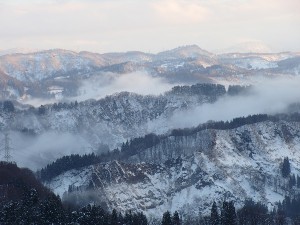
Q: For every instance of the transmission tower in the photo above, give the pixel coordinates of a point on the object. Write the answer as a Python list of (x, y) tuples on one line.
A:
[(7, 149)]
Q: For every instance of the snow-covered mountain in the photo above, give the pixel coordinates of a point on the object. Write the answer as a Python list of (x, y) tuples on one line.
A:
[(258, 61), (59, 74), (189, 51), (188, 172), (43, 65)]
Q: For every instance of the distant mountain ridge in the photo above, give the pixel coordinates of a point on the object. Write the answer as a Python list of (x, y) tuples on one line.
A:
[(58, 74)]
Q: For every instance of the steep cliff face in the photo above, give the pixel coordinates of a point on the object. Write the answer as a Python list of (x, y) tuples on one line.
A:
[(188, 173)]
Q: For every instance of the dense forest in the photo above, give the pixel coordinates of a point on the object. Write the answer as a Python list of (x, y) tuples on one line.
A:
[(24, 200), (66, 163)]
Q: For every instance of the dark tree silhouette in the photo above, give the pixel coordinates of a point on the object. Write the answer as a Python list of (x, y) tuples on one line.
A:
[(166, 220), (176, 219), (286, 168), (214, 215)]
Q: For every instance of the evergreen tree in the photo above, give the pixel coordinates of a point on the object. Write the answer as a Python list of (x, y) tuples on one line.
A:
[(228, 214), (286, 169), (292, 181), (139, 219), (42, 110), (11, 213), (253, 213), (128, 220), (51, 210), (214, 215), (166, 220), (232, 214), (224, 213), (176, 219), (29, 206), (114, 218)]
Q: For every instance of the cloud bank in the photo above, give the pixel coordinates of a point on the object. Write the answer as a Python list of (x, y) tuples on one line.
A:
[(110, 83), (267, 97), (37, 151)]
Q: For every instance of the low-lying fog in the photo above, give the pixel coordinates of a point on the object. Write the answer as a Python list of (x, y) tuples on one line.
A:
[(268, 96)]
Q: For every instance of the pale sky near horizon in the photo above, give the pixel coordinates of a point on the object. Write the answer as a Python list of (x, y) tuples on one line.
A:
[(148, 25)]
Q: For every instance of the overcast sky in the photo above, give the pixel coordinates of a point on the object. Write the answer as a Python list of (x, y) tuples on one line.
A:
[(148, 25)]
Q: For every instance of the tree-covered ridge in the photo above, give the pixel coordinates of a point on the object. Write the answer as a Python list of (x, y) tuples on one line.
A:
[(214, 90), (15, 182), (136, 145), (24, 200), (201, 89), (66, 163)]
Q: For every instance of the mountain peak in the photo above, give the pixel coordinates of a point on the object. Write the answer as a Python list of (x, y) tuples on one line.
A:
[(187, 51)]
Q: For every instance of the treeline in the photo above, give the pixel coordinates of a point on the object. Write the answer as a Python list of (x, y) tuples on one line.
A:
[(138, 144), (212, 90), (74, 161), (237, 122), (221, 125), (135, 145), (238, 90), (42, 109)]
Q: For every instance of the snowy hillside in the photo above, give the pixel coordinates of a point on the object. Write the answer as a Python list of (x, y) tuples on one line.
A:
[(252, 63), (187, 173), (109, 121)]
